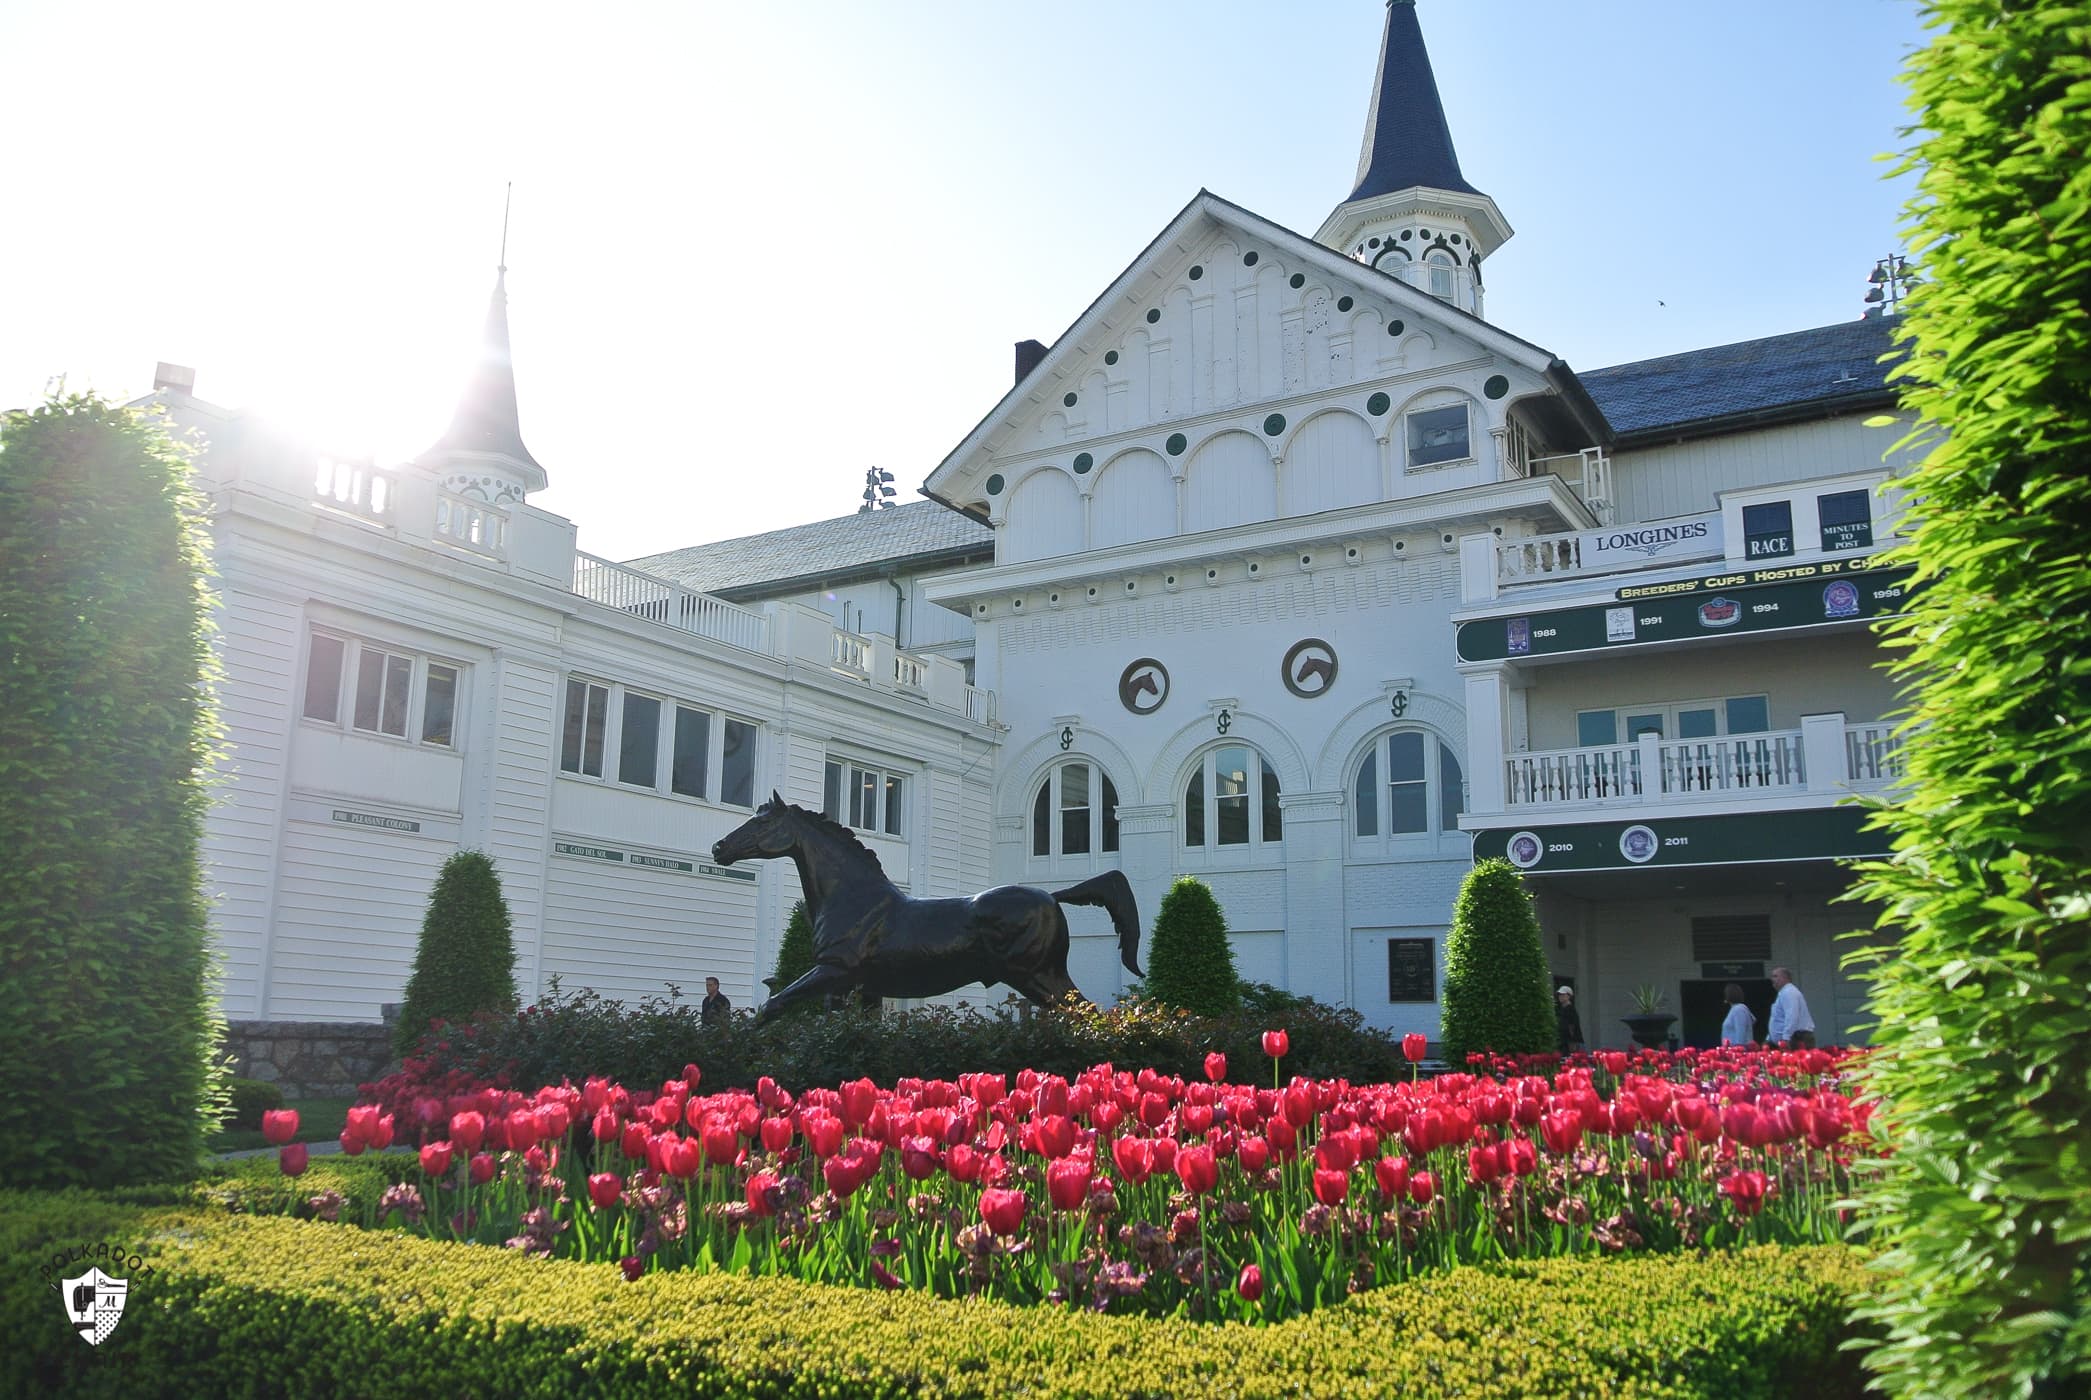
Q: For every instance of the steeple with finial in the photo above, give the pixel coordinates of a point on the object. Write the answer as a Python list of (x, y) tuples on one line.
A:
[(1413, 214), (482, 453)]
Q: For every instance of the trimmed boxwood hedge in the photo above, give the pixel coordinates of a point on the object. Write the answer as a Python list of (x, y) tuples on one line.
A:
[(237, 1305)]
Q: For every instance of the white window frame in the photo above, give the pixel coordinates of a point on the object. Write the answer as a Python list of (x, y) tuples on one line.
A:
[(1435, 404), (843, 773), (1383, 839), (421, 666), (1204, 772), (1103, 820), (662, 784)]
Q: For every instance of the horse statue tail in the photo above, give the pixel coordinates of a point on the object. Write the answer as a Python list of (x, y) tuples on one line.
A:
[(1112, 892)]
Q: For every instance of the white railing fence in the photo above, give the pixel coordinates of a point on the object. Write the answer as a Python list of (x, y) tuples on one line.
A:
[(1651, 769), (852, 653), (356, 487), (1873, 752), (1588, 472), (471, 524), (659, 600)]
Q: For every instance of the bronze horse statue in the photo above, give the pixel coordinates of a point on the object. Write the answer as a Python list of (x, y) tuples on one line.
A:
[(868, 935)]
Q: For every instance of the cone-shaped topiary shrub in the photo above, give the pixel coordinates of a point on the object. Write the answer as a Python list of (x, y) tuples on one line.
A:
[(109, 1034), (1496, 979), (1981, 1026), (465, 962), (1189, 962), (795, 953)]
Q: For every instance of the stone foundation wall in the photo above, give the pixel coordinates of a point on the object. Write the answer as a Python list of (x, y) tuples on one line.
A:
[(310, 1059)]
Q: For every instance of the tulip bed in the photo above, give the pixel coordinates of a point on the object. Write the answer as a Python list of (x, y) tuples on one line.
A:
[(1131, 1192)]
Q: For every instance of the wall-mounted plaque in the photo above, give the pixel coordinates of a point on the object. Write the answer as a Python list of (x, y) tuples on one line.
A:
[(1143, 686), (1412, 969), (1309, 669)]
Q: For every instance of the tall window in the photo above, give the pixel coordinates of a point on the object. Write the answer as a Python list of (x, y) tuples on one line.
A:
[(380, 689), (1408, 784), (867, 798), (1075, 812), (1437, 266), (658, 745), (1231, 799)]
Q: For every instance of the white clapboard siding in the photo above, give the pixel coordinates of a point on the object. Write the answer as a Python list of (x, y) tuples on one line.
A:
[(348, 916), (520, 796), (625, 931), (257, 644)]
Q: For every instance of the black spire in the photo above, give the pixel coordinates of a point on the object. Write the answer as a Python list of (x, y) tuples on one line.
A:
[(486, 415), (1407, 142)]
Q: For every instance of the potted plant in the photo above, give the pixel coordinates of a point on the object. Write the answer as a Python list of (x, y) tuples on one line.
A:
[(1650, 1023)]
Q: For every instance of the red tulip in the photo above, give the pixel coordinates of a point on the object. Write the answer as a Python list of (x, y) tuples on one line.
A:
[(1215, 1066), (604, 1188), (633, 1267), (1003, 1210), (292, 1157), (721, 1143), (1054, 1135), (692, 1076), (1254, 1154), (858, 1098), (1422, 1186), (885, 1277), (480, 1169), (1746, 1189), (964, 1162), (918, 1157), (435, 1158), (381, 1136), (351, 1145), (279, 1125), (1392, 1174), (776, 1134), (1197, 1169), (1275, 1045), (823, 1131), (1134, 1158), (635, 1139), (1067, 1184), (1414, 1046), (468, 1130), (604, 1126), (762, 1193), (1330, 1187), (681, 1157), (1250, 1284)]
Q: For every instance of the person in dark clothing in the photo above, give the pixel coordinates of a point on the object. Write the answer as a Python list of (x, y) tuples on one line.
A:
[(1568, 1027), (715, 1009)]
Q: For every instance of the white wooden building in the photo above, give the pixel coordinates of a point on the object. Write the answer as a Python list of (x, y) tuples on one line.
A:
[(1281, 566)]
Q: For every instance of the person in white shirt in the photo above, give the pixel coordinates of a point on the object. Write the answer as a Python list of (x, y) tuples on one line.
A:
[(1740, 1028), (1790, 1019)]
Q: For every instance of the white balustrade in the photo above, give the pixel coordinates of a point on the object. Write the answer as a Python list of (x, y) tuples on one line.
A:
[(909, 672), (471, 524), (852, 653), (1520, 561), (980, 705), (355, 487), (1588, 472), (1873, 754), (660, 600), (1653, 769)]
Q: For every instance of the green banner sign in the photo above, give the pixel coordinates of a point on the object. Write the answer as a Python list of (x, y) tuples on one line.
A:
[(1758, 600), (1817, 833), (381, 823)]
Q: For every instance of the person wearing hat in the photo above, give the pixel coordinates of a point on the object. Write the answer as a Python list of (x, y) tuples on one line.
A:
[(1568, 1027)]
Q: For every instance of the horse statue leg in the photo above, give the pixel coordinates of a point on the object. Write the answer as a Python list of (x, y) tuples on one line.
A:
[(823, 982)]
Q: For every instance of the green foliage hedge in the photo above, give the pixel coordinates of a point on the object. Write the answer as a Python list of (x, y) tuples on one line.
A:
[(1980, 999), (465, 961), (247, 1100), (1190, 963), (1497, 988), (574, 1036), (794, 952), (240, 1306), (108, 1044)]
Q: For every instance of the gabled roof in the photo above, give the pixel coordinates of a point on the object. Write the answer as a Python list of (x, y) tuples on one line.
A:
[(1407, 140), (918, 535), (1207, 212), (1800, 374)]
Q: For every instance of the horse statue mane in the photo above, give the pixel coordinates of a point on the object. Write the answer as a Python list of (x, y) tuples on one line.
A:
[(821, 822)]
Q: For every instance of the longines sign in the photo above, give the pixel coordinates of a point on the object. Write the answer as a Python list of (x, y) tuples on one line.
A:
[(1638, 545)]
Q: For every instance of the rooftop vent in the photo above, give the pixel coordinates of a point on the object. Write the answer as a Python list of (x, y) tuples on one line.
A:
[(178, 378), (1028, 354)]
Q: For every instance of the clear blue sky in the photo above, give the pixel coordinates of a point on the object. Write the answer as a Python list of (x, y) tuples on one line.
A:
[(757, 248)]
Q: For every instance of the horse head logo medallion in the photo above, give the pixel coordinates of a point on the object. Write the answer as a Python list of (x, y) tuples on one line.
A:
[(1143, 686), (1309, 669)]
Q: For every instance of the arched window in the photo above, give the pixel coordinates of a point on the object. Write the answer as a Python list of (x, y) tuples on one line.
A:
[(1075, 811), (1438, 265), (1408, 785), (1231, 799)]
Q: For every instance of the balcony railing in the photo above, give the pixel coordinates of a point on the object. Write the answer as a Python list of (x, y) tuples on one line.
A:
[(358, 488), (1588, 473), (659, 600), (980, 705), (853, 653), (471, 525), (1771, 763), (909, 672)]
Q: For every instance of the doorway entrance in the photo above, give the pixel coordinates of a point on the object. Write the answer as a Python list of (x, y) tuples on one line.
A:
[(1702, 1009)]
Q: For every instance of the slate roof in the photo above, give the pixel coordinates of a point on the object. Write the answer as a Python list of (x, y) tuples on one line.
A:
[(1799, 373), (1407, 141), (826, 549)]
